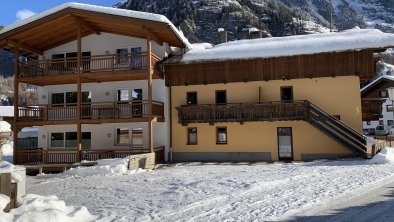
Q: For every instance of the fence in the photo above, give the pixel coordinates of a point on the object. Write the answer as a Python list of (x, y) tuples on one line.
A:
[(9, 189)]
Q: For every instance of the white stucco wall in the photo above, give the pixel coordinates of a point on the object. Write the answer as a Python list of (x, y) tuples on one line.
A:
[(106, 92), (107, 43), (103, 135)]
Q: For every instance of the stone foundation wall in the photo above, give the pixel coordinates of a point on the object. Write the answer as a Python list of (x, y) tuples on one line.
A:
[(143, 161)]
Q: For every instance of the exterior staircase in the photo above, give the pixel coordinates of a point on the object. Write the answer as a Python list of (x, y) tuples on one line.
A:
[(337, 130), (276, 111)]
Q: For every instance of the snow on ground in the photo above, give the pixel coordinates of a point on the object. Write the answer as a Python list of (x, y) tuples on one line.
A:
[(212, 191), (39, 208)]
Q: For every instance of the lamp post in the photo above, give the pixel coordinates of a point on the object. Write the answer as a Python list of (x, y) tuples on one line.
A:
[(390, 91)]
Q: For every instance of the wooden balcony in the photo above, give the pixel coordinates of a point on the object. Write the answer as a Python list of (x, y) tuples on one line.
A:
[(372, 108), (243, 112), (97, 68), (42, 157), (91, 113)]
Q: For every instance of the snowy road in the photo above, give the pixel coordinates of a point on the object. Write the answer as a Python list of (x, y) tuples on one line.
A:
[(217, 192), (374, 204)]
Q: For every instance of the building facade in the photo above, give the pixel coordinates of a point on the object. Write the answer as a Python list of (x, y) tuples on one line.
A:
[(377, 106), (99, 93), (270, 99)]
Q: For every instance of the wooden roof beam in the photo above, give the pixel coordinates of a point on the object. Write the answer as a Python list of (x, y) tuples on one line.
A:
[(85, 24), (24, 47), (153, 36)]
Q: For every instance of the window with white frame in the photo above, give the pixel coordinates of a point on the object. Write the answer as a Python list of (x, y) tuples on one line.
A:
[(127, 94), (69, 140)]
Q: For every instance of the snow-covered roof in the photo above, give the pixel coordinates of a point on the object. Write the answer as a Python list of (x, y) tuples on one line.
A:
[(354, 39), (381, 78), (6, 111), (100, 9)]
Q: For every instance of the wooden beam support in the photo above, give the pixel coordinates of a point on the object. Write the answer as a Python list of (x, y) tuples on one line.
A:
[(149, 77), (16, 104), (85, 24), (79, 93), (153, 36), (24, 46)]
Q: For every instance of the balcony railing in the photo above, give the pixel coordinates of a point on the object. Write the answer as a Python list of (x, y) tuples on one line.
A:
[(243, 112), (99, 110), (90, 64), (40, 156)]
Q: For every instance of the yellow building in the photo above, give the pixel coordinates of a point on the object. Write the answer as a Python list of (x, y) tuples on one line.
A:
[(289, 98)]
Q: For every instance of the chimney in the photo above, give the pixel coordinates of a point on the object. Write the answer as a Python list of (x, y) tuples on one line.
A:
[(223, 35), (254, 33)]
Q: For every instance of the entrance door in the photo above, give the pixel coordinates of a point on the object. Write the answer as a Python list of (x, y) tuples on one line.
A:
[(285, 143), (286, 93)]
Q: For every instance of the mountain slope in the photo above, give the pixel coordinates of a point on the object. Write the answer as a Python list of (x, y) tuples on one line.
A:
[(200, 19)]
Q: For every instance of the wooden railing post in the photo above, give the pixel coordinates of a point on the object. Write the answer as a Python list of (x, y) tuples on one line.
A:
[(5, 188)]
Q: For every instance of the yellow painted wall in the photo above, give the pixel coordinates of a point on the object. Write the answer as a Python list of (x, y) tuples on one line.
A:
[(338, 96)]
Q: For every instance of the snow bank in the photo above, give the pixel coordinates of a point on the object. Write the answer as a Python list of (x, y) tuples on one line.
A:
[(384, 156), (204, 45), (6, 167), (354, 39), (37, 208), (7, 149), (5, 127), (105, 167)]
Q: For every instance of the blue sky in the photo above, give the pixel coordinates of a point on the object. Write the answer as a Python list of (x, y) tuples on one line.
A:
[(14, 10)]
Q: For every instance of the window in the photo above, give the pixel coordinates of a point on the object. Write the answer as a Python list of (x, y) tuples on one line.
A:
[(136, 59), (122, 136), (122, 56), (221, 97), (57, 140), (133, 137), (69, 139), (126, 94), (137, 137), (381, 122), (136, 94), (192, 136), (57, 98), (383, 94), (191, 98), (389, 108), (221, 135), (286, 93), (70, 97), (390, 122), (71, 60)]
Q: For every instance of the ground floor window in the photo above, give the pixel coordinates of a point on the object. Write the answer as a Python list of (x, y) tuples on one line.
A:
[(69, 140), (221, 135), (127, 136), (192, 136)]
